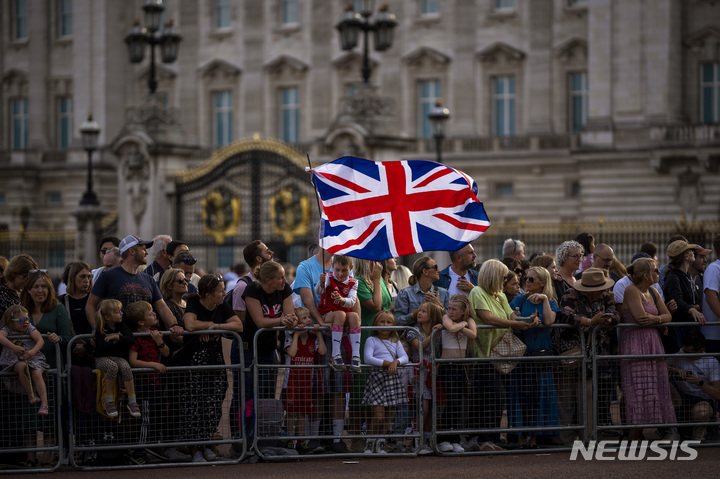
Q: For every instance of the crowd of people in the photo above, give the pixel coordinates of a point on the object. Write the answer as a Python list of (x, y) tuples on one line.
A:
[(364, 343)]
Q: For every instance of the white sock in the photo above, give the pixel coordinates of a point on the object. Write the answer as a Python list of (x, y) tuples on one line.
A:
[(355, 343), (336, 340), (314, 428), (338, 426)]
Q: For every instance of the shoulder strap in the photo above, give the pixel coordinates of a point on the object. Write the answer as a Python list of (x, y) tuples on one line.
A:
[(652, 293)]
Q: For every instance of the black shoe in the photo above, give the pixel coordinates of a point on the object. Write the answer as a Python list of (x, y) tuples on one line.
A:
[(340, 448), (303, 449), (315, 446), (138, 457)]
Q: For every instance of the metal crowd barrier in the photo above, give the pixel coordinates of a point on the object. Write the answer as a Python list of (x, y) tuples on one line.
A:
[(183, 408), (637, 385), (280, 411), (23, 433), (484, 409)]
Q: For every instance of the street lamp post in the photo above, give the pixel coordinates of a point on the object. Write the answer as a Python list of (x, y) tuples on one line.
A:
[(138, 37), (90, 131), (351, 23), (438, 116)]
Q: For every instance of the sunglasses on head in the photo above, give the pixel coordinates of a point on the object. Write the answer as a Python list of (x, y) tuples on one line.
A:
[(38, 271), (21, 320)]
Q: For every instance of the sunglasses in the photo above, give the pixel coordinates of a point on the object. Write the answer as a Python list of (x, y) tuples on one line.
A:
[(530, 279), (104, 250), (35, 271), (518, 271), (189, 261), (181, 281), (22, 320), (435, 266)]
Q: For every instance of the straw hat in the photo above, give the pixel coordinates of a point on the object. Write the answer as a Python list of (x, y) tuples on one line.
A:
[(593, 279)]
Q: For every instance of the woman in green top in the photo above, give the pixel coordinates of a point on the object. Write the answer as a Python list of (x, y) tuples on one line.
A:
[(489, 306)]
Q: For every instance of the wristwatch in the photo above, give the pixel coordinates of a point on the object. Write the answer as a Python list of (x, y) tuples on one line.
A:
[(701, 383)]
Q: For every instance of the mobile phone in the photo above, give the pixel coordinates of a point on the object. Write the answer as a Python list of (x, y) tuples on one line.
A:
[(524, 319), (606, 315)]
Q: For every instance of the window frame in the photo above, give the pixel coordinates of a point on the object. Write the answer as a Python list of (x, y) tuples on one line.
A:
[(583, 94), (291, 112), (19, 29), (425, 104), (222, 112), (714, 86), (509, 100), (283, 20), (222, 14), (64, 119), (19, 119), (64, 12)]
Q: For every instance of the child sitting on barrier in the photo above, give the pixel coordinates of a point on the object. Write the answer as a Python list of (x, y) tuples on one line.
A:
[(305, 385), (384, 390), (23, 355), (455, 377), (429, 318), (338, 296), (113, 340), (145, 353)]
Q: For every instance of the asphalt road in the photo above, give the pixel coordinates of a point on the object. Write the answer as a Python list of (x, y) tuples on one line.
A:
[(556, 465)]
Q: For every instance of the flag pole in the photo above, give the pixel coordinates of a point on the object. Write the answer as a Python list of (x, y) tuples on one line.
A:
[(317, 200)]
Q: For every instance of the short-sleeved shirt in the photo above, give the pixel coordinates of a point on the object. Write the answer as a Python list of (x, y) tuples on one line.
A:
[(127, 288), (147, 351), (272, 307), (238, 302), (219, 315), (711, 281), (307, 274), (498, 307), (706, 369)]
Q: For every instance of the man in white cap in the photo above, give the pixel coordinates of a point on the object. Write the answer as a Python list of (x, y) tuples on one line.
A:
[(128, 286)]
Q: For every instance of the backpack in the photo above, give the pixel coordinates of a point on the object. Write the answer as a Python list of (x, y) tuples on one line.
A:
[(229, 295)]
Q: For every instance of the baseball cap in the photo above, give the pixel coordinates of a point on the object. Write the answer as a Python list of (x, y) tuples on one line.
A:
[(132, 240)]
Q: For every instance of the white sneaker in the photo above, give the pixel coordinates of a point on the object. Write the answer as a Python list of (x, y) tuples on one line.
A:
[(457, 448), (445, 447), (369, 447), (425, 449), (380, 447), (208, 454), (198, 457), (173, 454)]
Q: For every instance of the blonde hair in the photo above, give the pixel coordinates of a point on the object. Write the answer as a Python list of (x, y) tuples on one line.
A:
[(394, 336), (267, 270), (464, 301), (12, 312), (300, 310), (491, 276), (640, 268), (401, 276), (544, 275), (106, 308), (361, 270), (167, 280)]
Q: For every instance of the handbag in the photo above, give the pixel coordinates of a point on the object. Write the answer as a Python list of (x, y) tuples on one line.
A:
[(506, 346), (571, 364)]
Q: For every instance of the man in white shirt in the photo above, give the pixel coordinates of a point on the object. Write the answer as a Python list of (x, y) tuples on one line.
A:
[(711, 302)]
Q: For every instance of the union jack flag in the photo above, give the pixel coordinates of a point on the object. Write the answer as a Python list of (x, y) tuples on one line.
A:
[(378, 210)]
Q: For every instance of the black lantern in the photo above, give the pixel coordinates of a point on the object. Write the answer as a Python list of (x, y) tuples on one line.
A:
[(138, 37), (90, 131), (438, 116), (351, 23)]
